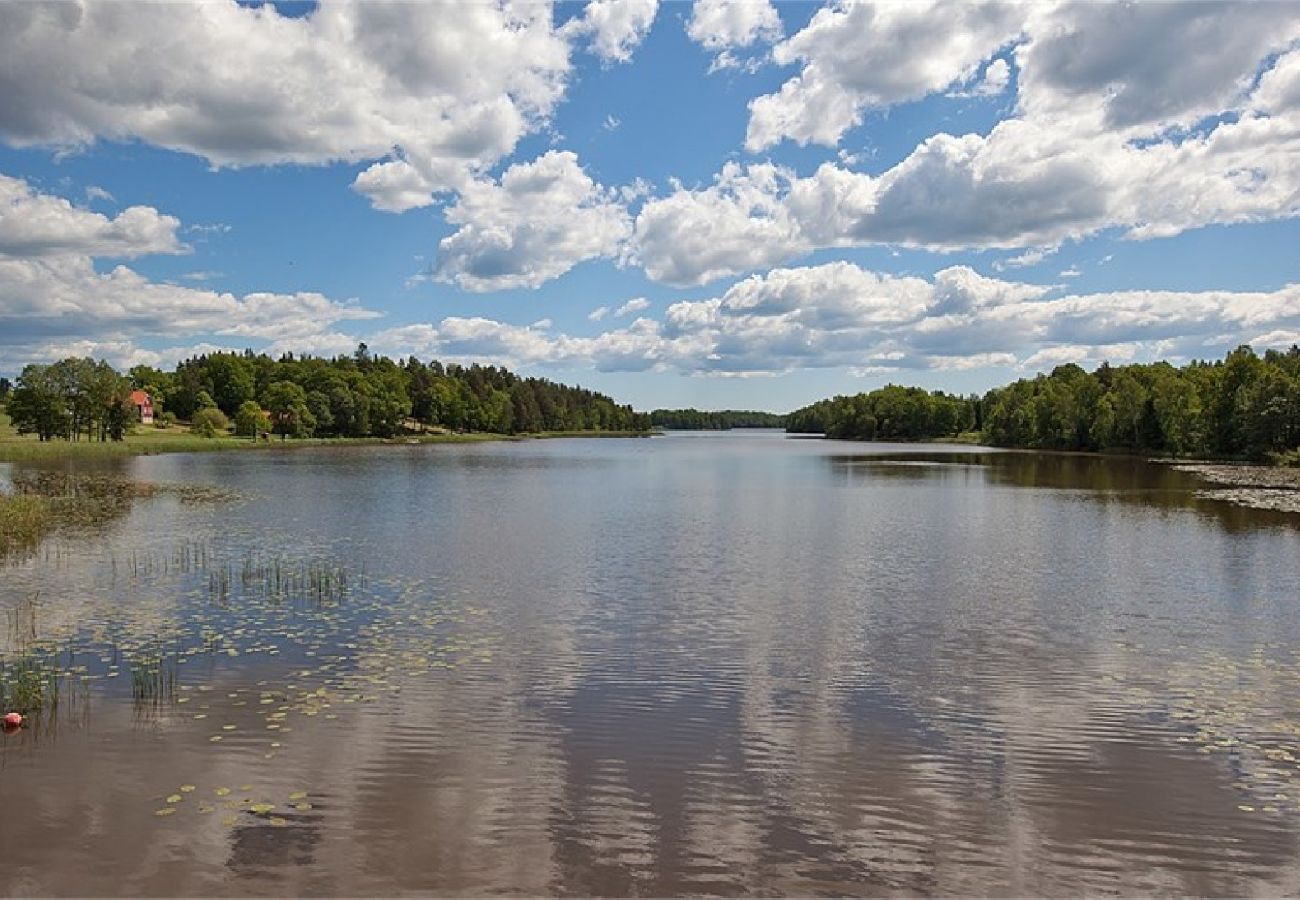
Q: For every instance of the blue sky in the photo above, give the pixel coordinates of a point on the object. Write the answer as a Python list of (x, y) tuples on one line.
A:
[(771, 203)]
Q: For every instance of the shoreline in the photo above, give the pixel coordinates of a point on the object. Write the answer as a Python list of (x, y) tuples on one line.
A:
[(1275, 488), (31, 451), (1251, 485)]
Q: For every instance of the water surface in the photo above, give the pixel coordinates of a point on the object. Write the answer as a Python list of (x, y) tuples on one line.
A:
[(731, 663)]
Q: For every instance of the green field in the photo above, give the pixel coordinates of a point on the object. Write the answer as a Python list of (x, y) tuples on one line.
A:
[(148, 440)]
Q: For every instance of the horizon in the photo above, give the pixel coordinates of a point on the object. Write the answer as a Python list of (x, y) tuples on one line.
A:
[(712, 205)]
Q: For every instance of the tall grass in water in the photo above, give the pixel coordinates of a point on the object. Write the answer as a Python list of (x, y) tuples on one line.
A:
[(277, 580), (154, 678), (30, 679), (24, 520), (29, 684)]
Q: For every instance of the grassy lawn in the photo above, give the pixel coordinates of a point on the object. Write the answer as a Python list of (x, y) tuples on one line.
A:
[(147, 440)]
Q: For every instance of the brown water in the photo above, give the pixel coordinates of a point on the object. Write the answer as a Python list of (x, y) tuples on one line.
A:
[(724, 664)]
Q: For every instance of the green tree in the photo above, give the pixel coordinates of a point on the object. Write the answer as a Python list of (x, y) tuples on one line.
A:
[(38, 405), (231, 379), (251, 420), (287, 403)]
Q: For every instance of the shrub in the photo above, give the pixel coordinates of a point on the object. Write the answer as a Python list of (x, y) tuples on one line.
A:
[(209, 422)]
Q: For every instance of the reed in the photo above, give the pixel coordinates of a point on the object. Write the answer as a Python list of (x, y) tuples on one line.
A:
[(24, 521)]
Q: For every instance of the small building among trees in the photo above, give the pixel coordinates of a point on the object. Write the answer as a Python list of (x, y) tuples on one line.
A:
[(143, 404)]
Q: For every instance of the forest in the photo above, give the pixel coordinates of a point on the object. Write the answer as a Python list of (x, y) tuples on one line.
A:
[(1245, 406), (348, 396), (716, 420)]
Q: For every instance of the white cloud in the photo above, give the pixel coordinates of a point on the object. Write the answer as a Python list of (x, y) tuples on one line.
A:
[(598, 313), (1029, 183), (1114, 66), (737, 224), (65, 295), (723, 25), (208, 229), (122, 354), (1146, 65), (1031, 257), (33, 224), (1114, 129), (616, 27), (997, 75), (451, 86), (541, 219), (861, 56), (397, 185), (638, 304), (321, 343), (839, 315), (53, 300), (1279, 87), (973, 361)]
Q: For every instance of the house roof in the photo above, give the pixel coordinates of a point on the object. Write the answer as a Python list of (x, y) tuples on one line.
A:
[(141, 398)]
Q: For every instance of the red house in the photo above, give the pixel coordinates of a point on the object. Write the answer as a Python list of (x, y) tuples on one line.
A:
[(143, 404)]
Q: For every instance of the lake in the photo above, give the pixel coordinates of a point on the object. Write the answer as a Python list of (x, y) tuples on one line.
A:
[(734, 663)]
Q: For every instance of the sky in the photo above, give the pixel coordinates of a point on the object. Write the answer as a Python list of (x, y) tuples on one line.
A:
[(724, 203)]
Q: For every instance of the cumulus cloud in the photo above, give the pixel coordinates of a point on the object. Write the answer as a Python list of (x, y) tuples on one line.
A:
[(738, 223), (33, 224), (1115, 65), (1114, 129), (537, 222), (67, 296), (861, 56), (1133, 65), (435, 92), (836, 315), (615, 27), (122, 353), (54, 301), (638, 304), (1031, 182), (840, 315), (722, 26)]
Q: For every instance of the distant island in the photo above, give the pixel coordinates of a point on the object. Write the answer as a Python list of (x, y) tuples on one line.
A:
[(719, 420)]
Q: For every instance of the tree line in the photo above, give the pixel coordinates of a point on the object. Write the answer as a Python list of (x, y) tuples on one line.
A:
[(719, 420), (347, 396), (75, 399), (1243, 406), (887, 414)]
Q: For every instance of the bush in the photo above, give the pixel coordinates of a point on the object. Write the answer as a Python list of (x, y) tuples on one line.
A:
[(165, 420), (1289, 458), (209, 422)]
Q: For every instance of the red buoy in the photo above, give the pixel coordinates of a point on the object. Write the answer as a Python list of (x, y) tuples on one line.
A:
[(13, 720)]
